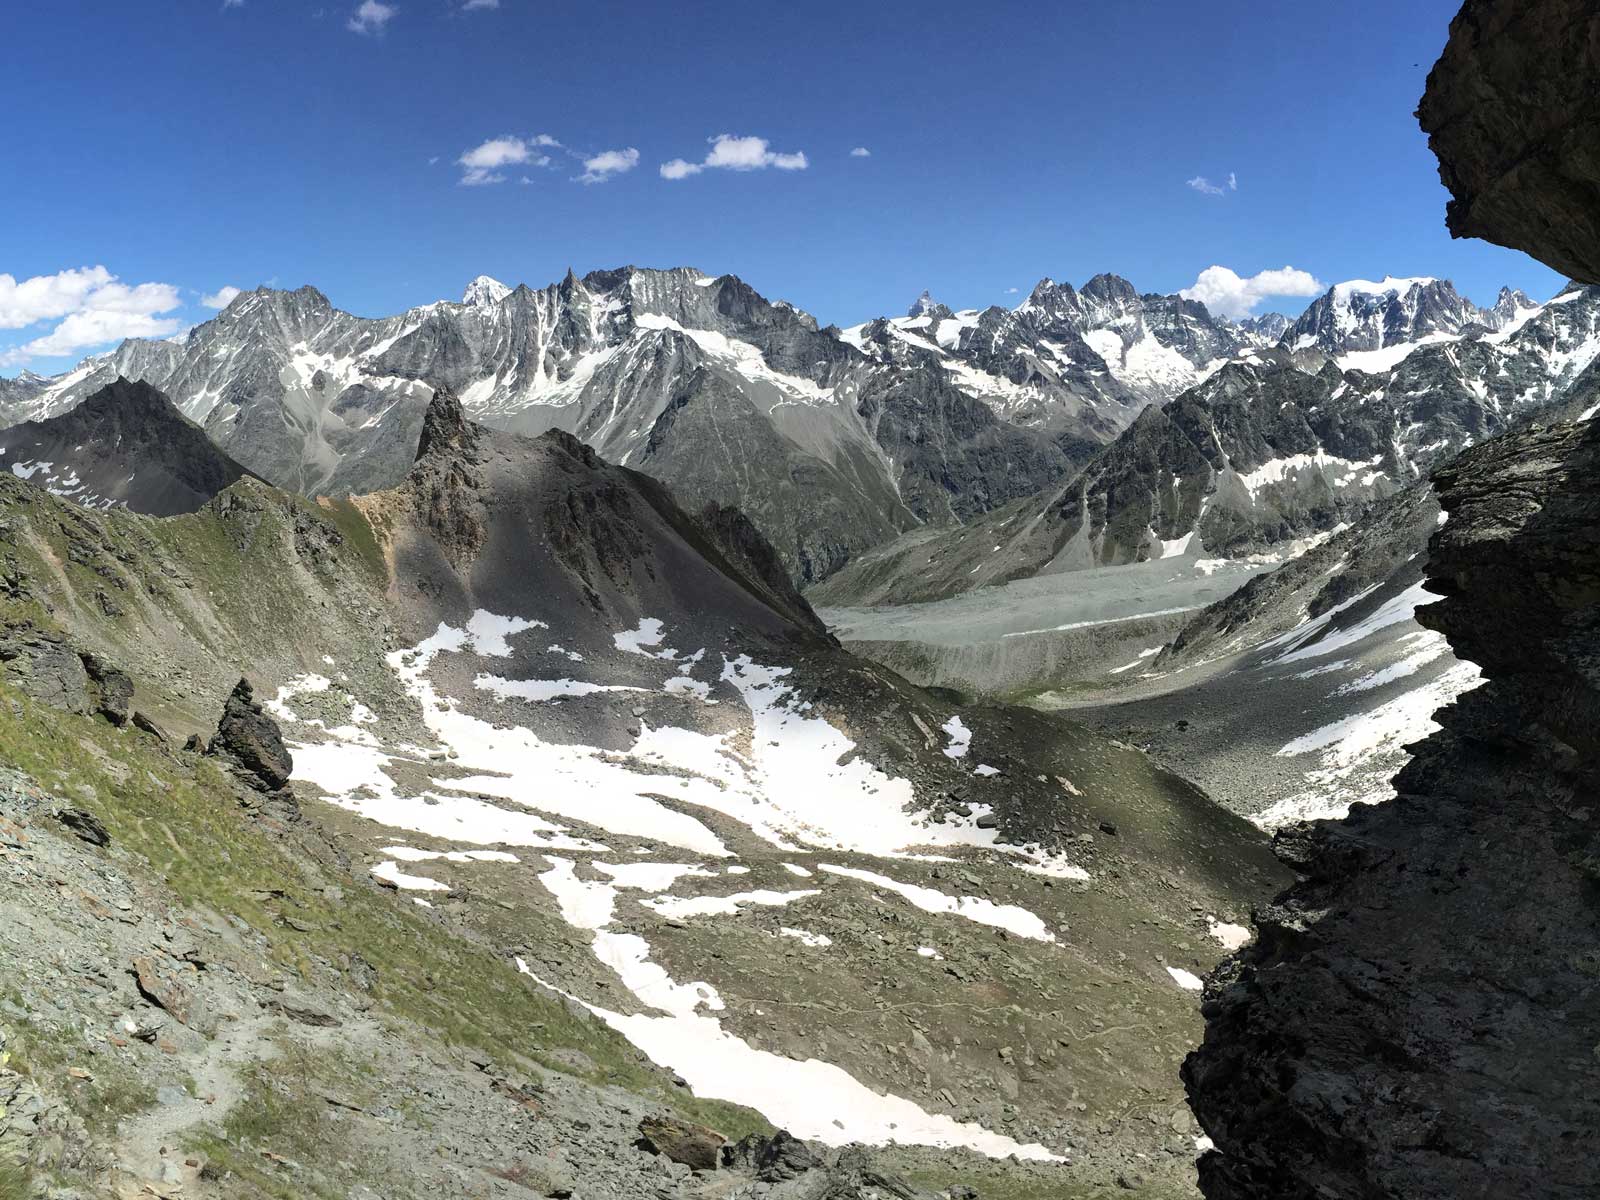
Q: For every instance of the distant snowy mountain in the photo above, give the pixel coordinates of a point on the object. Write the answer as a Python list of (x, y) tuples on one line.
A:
[(1267, 328), (1259, 459), (485, 291), (1077, 364), (697, 380), (1372, 326), (833, 441)]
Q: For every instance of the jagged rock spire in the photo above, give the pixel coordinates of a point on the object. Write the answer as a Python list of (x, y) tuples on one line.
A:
[(445, 426)]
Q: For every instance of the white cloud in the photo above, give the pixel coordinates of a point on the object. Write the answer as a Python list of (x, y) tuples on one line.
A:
[(1011, 291), (44, 297), (480, 164), (93, 306), (1204, 186), (861, 152), (476, 5), (371, 17), (227, 4), (602, 166), (220, 298), (1228, 294), (1233, 182), (731, 153)]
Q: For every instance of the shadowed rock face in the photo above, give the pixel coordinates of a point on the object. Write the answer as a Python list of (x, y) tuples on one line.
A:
[(1420, 1015), (251, 742), (124, 445), (1513, 113)]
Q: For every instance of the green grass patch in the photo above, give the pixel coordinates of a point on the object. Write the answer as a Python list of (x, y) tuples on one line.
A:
[(358, 533), (16, 1181)]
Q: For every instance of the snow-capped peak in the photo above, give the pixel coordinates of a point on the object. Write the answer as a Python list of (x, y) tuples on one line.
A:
[(485, 290), (1390, 285), (924, 305)]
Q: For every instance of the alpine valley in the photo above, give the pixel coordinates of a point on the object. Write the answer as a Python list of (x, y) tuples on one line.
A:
[(629, 739)]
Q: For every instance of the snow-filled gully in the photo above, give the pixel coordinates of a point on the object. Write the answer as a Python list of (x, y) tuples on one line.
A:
[(794, 784)]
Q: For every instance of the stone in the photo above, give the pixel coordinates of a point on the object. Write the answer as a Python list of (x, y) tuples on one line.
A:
[(111, 688), (694, 1146), (142, 722), (46, 668), (84, 826), (252, 741), (159, 985)]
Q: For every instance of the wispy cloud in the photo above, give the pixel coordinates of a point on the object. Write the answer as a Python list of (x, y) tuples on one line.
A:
[(479, 5), (371, 18), (220, 298), (227, 4), (1206, 188), (481, 165), (92, 306), (1011, 291), (1228, 294), (602, 166), (861, 152), (732, 153)]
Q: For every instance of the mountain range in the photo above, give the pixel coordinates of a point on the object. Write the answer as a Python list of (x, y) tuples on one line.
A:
[(838, 442)]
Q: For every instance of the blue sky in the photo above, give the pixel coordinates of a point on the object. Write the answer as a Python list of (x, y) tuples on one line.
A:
[(192, 145)]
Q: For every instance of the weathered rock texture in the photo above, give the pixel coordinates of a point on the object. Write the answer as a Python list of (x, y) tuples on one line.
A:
[(1513, 113), (1420, 1017), (251, 745)]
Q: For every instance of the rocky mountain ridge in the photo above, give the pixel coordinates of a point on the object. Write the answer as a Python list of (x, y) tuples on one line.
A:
[(831, 441), (1262, 455), (126, 445)]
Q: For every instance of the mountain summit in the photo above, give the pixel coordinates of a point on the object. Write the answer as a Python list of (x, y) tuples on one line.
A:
[(124, 446)]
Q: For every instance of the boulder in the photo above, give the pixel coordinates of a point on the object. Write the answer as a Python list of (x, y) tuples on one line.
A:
[(683, 1141), (251, 742), (84, 826), (43, 666), (142, 722), (112, 690)]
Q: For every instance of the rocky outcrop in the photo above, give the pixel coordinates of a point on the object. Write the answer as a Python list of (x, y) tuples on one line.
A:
[(1419, 1016), (251, 745), (1513, 114), (683, 1141), (50, 669)]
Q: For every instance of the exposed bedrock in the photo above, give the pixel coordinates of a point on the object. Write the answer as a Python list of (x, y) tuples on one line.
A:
[(1513, 113), (1420, 1016)]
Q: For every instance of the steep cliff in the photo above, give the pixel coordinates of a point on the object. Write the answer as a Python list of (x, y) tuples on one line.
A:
[(1513, 114), (1419, 1017)]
